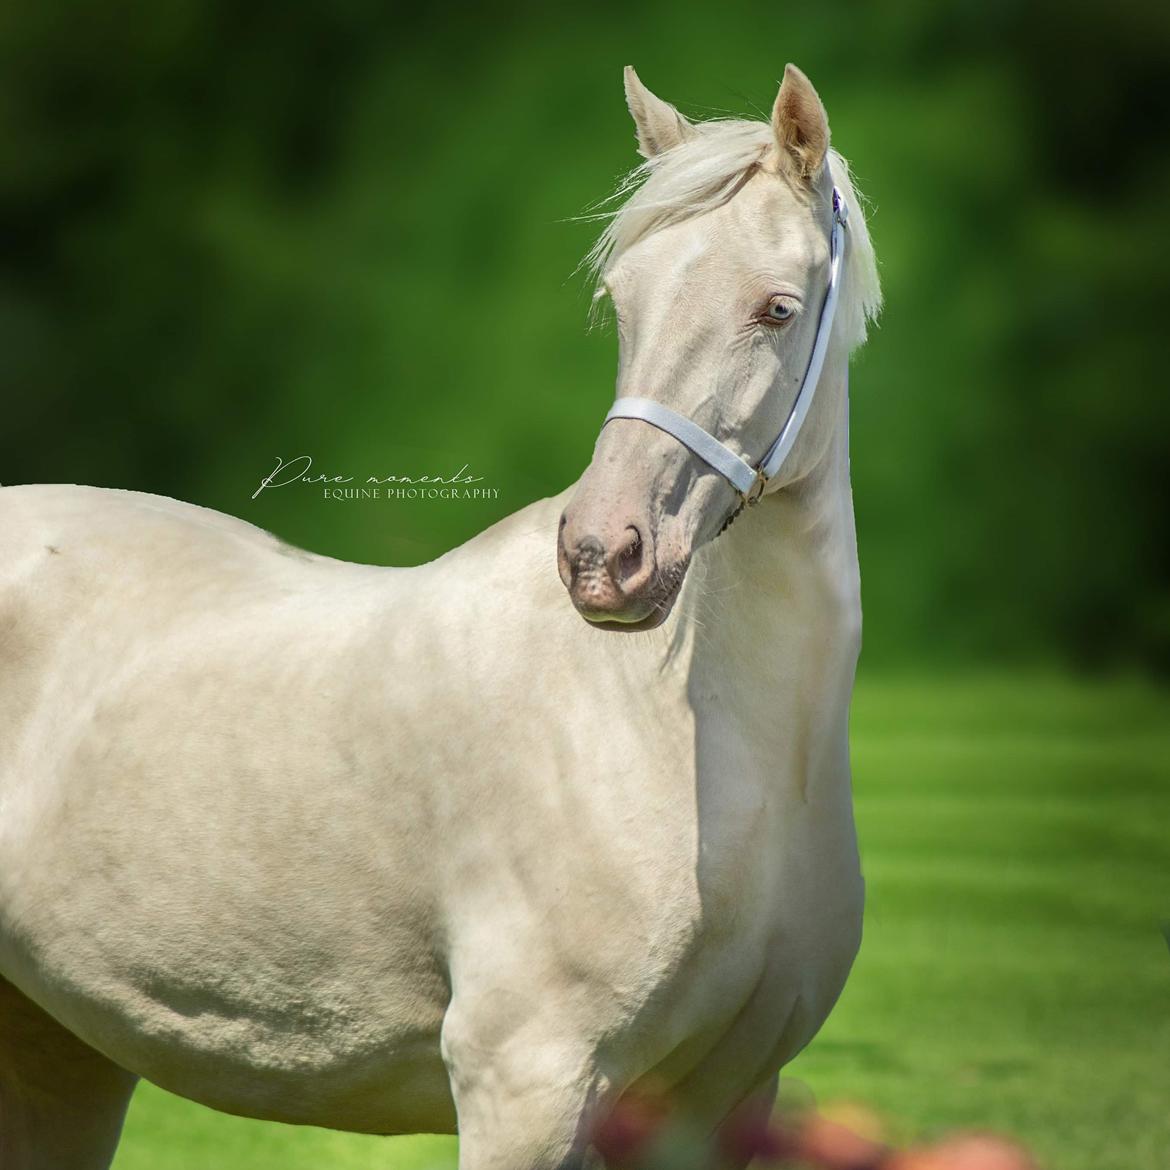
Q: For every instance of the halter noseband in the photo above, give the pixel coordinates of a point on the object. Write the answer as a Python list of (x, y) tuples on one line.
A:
[(750, 479)]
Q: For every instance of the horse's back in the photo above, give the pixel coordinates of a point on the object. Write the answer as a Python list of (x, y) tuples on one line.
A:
[(60, 536), (84, 572), (113, 602)]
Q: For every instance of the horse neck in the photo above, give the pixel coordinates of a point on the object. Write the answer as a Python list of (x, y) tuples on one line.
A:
[(774, 615)]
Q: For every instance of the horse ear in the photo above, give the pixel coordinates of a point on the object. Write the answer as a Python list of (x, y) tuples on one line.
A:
[(660, 126), (800, 124)]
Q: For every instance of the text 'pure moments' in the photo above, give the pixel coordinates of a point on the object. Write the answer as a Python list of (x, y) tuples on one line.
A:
[(460, 486)]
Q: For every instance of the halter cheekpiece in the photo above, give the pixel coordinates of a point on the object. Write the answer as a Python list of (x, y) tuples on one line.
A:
[(747, 478)]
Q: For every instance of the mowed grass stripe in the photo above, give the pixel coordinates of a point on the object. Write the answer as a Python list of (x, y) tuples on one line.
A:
[(1015, 835)]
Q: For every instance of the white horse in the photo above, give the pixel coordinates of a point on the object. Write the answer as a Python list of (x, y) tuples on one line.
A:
[(420, 850)]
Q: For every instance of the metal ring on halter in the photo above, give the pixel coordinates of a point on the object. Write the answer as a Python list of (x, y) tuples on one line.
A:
[(753, 494)]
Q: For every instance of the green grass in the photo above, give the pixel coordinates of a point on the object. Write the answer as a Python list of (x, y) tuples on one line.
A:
[(1014, 975)]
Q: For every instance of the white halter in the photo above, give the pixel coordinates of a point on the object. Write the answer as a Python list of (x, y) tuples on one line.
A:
[(748, 479)]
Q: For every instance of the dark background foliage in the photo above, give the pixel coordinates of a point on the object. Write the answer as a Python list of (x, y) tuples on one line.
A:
[(236, 231)]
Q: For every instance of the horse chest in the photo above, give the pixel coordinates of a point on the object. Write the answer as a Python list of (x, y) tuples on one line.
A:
[(775, 908)]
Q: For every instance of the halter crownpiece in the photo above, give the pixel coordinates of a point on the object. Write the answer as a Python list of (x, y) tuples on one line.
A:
[(750, 479)]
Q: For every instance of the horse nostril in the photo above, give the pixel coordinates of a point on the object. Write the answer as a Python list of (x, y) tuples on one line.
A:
[(629, 560)]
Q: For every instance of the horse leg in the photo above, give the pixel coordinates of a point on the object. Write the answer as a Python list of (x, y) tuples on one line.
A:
[(524, 1102), (731, 1145), (61, 1103), (746, 1122), (512, 1118)]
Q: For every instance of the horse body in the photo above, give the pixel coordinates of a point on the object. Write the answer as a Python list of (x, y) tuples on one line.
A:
[(389, 850), (268, 808)]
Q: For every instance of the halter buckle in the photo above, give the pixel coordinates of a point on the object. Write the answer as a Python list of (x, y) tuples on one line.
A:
[(753, 493), (840, 208)]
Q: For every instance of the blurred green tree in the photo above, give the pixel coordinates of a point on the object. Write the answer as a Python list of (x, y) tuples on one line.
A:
[(240, 231)]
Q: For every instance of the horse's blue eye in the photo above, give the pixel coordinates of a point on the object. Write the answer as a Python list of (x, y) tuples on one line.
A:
[(779, 309)]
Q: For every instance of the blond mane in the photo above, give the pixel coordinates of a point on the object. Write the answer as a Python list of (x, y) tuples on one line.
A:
[(704, 172)]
